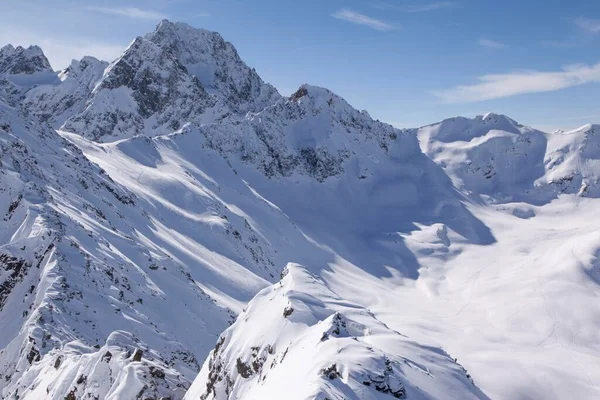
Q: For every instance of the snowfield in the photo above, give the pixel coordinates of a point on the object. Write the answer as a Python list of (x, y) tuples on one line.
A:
[(174, 228)]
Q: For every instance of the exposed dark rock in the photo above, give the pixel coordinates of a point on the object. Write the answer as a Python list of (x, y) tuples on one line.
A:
[(157, 372), (71, 395), (243, 369), (137, 355), (299, 94), (387, 382), (14, 204), (82, 379), (287, 311), (34, 355), (17, 269), (331, 372), (107, 356)]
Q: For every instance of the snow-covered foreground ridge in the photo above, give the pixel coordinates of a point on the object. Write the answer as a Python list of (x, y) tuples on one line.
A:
[(299, 340), (152, 203)]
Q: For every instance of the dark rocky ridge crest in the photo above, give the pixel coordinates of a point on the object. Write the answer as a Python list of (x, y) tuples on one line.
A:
[(22, 60)]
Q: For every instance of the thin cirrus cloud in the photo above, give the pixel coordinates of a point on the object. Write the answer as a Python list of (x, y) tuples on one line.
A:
[(129, 12), (417, 8), (428, 7), (588, 24), (361, 19), (495, 86), (491, 44)]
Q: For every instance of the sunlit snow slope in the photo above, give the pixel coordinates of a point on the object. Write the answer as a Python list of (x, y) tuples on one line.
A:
[(181, 195)]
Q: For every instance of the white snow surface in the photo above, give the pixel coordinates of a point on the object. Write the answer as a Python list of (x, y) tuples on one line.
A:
[(178, 188), (299, 340)]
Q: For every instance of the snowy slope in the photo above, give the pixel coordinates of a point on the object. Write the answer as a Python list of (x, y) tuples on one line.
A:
[(67, 97), (573, 161), (495, 156), (299, 340), (491, 154), (77, 275), (191, 161), (180, 185)]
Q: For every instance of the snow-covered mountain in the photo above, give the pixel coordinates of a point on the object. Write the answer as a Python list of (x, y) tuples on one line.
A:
[(172, 76), (155, 200), (21, 69), (68, 95), (21, 61), (495, 156), (299, 340)]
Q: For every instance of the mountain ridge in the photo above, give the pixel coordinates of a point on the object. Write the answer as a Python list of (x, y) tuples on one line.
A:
[(153, 201)]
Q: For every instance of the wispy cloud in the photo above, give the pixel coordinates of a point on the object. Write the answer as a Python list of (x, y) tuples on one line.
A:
[(588, 24), (417, 8), (361, 19), (428, 7), (492, 44), (495, 86), (129, 12)]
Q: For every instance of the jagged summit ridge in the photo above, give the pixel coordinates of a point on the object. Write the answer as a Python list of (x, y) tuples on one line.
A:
[(167, 78), (21, 69), (145, 91), (56, 103), (216, 63), (22, 60), (314, 133)]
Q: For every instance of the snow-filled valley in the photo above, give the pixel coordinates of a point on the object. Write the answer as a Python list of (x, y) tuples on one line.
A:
[(175, 228)]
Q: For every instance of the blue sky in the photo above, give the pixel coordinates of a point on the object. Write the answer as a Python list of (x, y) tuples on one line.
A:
[(408, 62)]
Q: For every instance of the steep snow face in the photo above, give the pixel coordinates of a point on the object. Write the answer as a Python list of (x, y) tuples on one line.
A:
[(217, 66), (170, 77), (86, 270), (299, 340), (314, 133), (55, 103), (573, 161), (489, 155)]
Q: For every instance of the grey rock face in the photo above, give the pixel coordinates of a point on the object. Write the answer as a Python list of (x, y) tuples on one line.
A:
[(22, 60), (172, 76)]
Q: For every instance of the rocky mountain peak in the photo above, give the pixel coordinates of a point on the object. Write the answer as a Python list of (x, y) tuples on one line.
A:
[(146, 81), (87, 63), (20, 60), (174, 75), (216, 63)]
